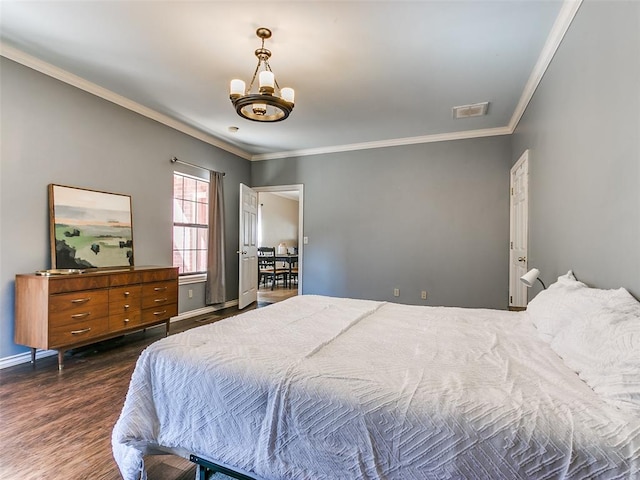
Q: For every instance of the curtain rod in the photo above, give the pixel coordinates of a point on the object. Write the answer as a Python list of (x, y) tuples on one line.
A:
[(176, 160)]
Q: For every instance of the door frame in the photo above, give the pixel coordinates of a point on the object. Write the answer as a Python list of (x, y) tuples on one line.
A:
[(299, 187), (524, 159)]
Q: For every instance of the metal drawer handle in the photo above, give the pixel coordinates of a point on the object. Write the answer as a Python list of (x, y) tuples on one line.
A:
[(81, 315), (126, 306), (78, 332), (126, 320), (160, 300), (126, 294), (159, 289), (81, 300), (160, 313)]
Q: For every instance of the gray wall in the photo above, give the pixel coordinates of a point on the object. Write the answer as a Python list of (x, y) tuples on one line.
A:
[(583, 129), (431, 217), (55, 133)]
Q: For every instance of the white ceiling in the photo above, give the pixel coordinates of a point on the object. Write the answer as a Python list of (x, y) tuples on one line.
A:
[(366, 73)]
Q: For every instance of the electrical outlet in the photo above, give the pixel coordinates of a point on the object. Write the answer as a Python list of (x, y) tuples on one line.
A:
[(305, 240), (396, 292), (190, 292), (423, 295)]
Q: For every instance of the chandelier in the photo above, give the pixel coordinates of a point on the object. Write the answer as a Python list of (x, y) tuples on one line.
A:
[(265, 105)]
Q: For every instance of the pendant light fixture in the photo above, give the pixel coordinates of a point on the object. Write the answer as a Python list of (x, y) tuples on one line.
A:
[(271, 103)]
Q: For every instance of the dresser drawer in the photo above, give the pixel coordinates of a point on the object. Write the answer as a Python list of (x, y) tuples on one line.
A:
[(159, 293), (159, 274), (64, 284), (122, 321), (71, 308), (62, 335), (159, 313), (121, 296), (128, 278)]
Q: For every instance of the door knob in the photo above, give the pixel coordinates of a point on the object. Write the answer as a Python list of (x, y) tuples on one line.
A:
[(522, 259)]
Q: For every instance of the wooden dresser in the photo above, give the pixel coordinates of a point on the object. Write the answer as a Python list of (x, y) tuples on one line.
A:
[(61, 312)]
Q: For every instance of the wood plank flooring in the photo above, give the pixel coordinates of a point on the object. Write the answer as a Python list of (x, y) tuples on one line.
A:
[(266, 295), (57, 425)]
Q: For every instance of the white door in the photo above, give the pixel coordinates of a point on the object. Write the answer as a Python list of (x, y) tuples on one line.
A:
[(519, 231), (248, 247)]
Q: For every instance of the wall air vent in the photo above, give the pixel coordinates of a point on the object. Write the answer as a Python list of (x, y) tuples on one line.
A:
[(475, 110)]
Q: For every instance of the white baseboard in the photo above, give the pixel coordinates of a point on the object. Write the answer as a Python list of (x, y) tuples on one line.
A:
[(203, 311), (25, 357)]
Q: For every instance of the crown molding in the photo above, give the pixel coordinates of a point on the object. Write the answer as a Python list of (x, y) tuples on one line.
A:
[(395, 142), (30, 61), (561, 25)]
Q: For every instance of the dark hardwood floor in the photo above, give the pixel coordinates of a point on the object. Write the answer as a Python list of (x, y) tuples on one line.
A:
[(57, 425)]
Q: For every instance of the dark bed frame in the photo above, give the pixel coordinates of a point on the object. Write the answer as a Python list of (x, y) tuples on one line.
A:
[(209, 469)]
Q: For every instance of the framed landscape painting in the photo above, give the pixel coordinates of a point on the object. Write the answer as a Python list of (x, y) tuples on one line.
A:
[(89, 228)]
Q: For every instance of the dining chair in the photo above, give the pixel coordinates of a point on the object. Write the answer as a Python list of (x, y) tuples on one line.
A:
[(267, 267), (293, 275)]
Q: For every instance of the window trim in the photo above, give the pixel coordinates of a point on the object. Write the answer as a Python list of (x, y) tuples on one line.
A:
[(189, 278)]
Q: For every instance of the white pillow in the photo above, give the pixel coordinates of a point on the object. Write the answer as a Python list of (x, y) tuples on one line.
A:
[(568, 280), (553, 308), (603, 347), (568, 300)]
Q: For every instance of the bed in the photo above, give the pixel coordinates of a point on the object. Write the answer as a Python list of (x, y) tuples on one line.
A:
[(331, 388)]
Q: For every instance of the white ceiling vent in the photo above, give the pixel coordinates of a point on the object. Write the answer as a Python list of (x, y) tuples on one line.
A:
[(475, 110)]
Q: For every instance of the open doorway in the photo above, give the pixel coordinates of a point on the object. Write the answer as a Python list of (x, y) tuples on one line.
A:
[(280, 222)]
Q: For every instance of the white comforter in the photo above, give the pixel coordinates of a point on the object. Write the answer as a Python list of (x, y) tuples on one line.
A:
[(326, 388)]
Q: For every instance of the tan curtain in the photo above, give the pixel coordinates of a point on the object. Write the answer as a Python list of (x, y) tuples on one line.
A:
[(215, 287)]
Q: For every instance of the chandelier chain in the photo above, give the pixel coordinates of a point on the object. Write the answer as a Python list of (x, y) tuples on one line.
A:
[(254, 77)]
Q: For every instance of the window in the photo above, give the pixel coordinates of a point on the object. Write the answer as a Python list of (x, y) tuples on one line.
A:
[(190, 223)]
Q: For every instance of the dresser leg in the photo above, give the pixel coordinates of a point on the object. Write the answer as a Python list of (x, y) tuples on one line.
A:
[(33, 357), (60, 359)]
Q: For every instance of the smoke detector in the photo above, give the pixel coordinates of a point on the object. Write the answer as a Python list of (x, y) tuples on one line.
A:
[(474, 110)]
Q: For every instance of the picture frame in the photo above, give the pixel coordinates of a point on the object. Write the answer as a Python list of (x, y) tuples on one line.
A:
[(89, 228)]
